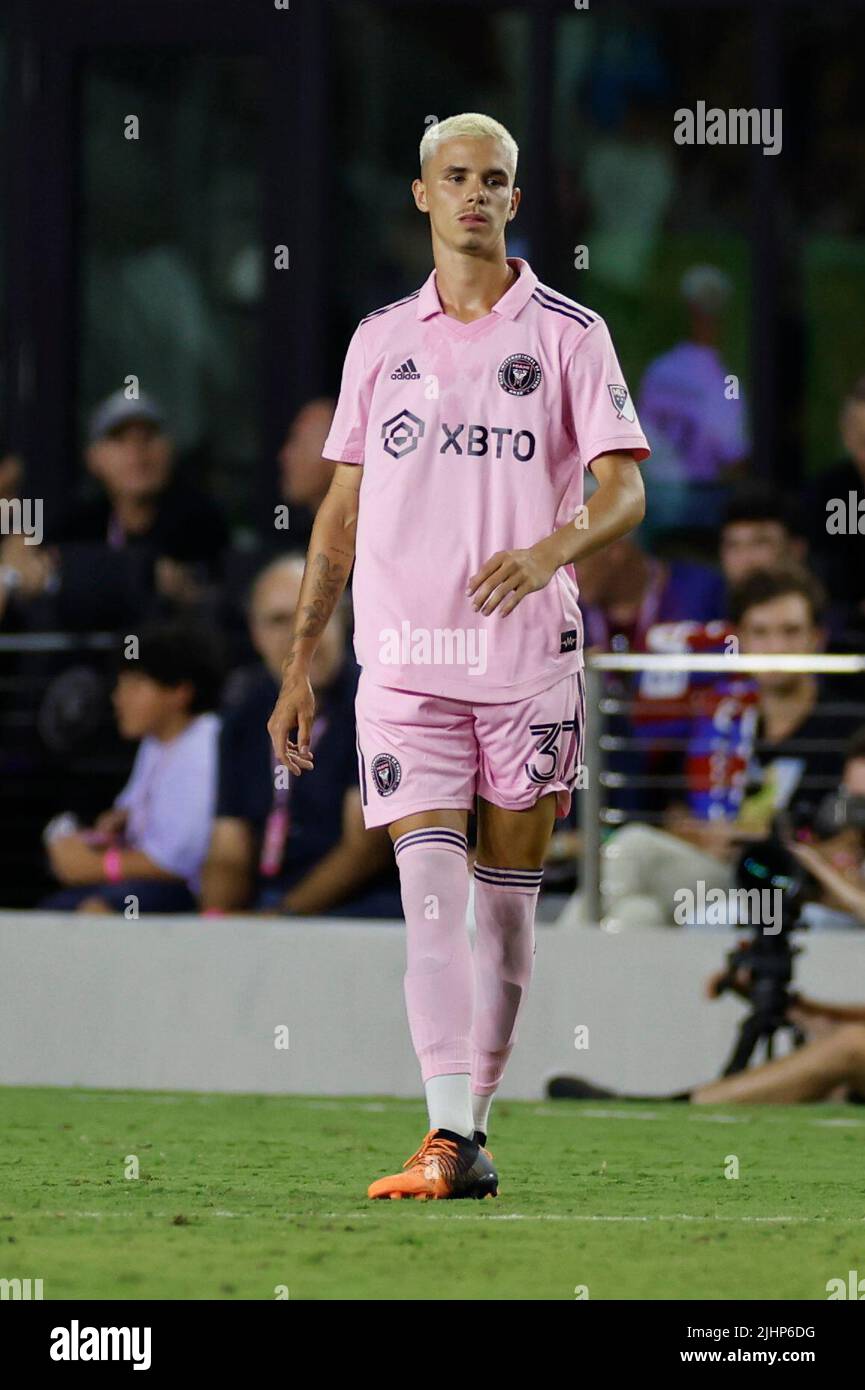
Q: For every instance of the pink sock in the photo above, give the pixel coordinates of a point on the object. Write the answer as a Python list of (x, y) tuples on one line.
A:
[(505, 902), (439, 985)]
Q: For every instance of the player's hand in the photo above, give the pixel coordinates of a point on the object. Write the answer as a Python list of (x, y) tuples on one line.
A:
[(294, 709), (507, 577)]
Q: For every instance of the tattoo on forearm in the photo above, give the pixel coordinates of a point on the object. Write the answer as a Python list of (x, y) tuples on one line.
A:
[(329, 579)]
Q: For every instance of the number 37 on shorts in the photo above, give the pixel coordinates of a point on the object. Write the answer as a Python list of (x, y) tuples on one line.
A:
[(428, 752)]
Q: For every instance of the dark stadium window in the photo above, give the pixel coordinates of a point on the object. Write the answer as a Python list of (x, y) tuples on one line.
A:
[(171, 251), (377, 125), (646, 208), (823, 193), (4, 49)]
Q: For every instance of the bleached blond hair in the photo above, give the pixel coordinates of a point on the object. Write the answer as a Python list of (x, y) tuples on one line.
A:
[(470, 123)]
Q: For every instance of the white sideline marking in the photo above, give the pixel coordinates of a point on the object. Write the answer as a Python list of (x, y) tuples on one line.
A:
[(430, 1214), (573, 1216), (693, 1113)]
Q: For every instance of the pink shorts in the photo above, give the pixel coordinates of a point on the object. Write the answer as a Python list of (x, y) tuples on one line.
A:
[(429, 753)]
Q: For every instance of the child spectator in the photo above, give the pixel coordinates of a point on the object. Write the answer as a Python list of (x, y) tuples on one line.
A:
[(145, 853)]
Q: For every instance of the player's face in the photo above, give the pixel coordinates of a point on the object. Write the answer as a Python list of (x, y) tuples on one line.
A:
[(467, 190), (782, 626), (853, 433), (751, 545)]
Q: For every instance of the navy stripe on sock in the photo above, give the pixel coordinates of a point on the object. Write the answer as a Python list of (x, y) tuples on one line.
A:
[(432, 836), (513, 878)]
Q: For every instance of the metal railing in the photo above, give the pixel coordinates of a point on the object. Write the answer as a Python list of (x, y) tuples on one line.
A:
[(590, 800)]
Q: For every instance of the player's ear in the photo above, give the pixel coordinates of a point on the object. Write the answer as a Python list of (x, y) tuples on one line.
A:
[(418, 188), (515, 202)]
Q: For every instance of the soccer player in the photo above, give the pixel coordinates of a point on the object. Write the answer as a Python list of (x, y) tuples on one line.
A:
[(466, 415)]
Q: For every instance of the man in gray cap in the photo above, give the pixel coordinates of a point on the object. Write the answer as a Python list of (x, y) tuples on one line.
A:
[(141, 502), (142, 540)]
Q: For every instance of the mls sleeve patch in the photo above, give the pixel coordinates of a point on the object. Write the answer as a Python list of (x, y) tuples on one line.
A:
[(624, 406)]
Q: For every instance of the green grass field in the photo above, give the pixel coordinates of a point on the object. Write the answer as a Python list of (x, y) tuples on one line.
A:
[(238, 1195)]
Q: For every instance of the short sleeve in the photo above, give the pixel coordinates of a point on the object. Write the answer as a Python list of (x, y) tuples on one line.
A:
[(346, 440), (231, 782), (177, 828), (602, 411)]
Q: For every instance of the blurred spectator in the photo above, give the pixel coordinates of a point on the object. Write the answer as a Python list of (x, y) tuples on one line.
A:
[(836, 861), (145, 853), (694, 418), (624, 592), (304, 475), (145, 541), (11, 483), (796, 756), (11, 474), (295, 844), (837, 546), (304, 478), (760, 530)]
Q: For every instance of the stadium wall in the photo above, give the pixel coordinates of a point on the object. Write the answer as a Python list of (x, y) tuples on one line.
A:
[(196, 1004)]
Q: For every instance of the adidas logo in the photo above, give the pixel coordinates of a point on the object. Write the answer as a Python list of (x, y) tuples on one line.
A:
[(407, 372)]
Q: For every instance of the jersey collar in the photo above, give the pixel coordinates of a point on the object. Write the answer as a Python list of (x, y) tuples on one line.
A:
[(510, 304)]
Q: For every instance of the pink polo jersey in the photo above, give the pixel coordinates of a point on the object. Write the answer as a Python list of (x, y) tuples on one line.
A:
[(473, 439)]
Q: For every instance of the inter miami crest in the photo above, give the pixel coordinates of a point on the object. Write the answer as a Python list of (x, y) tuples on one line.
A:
[(386, 773), (520, 374), (622, 401)]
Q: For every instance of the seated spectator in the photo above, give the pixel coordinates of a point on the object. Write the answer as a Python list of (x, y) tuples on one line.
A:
[(296, 845), (624, 592), (795, 756), (143, 543), (761, 530), (145, 853), (836, 546), (303, 479), (304, 476), (11, 484)]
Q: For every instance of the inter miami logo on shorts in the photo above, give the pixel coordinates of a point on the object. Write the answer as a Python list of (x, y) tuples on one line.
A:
[(401, 434), (386, 773), (622, 401), (520, 374)]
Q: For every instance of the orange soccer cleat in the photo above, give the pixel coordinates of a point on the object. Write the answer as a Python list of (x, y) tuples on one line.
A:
[(445, 1166)]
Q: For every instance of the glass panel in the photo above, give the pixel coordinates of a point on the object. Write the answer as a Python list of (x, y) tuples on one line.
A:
[(171, 248), (394, 68), (824, 187), (646, 209)]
